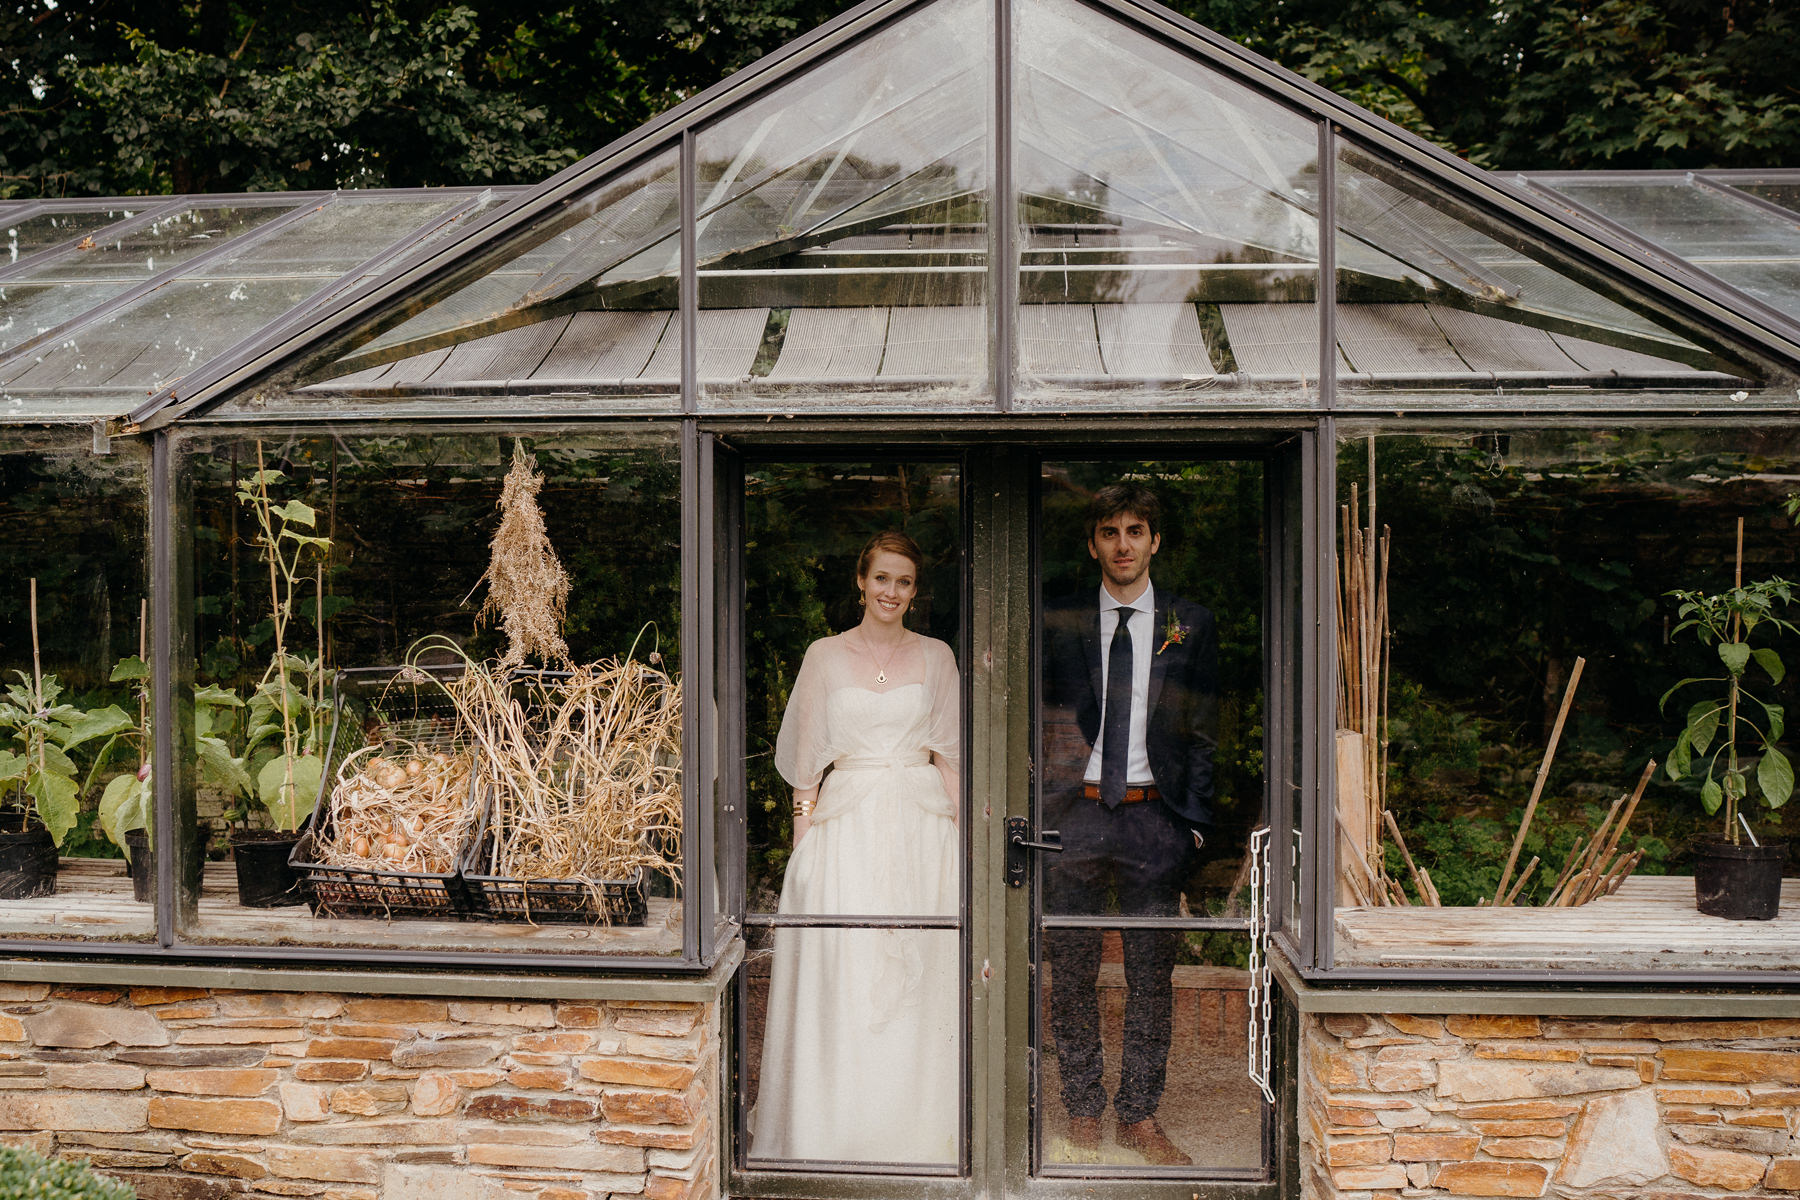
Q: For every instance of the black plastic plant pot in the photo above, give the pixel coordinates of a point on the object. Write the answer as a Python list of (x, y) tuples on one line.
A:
[(27, 856), (143, 862), (1739, 883), (264, 878)]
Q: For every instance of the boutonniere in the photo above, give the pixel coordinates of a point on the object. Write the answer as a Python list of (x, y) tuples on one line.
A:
[(1174, 633)]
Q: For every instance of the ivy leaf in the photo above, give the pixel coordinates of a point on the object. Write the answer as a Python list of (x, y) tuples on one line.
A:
[(1775, 775), (1735, 656), (1770, 661)]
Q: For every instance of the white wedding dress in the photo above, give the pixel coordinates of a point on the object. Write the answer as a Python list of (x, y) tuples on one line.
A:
[(861, 1052)]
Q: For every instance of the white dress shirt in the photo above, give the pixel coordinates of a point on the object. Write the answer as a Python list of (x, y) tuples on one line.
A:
[(1139, 623)]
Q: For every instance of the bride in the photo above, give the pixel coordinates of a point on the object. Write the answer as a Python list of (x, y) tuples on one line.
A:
[(860, 1053)]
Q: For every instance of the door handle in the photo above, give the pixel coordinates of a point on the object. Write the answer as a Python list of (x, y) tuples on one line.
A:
[(1018, 841)]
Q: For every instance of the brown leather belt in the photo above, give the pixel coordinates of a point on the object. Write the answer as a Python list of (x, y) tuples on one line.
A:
[(1133, 795)]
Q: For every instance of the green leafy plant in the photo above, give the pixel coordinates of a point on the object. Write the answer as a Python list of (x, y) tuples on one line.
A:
[(1717, 723), (44, 732), (25, 1172), (289, 702)]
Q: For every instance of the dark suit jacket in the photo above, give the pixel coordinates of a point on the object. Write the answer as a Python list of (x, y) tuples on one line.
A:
[(1184, 700)]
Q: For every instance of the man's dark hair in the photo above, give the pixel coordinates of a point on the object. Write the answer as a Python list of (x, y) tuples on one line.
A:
[(1117, 498)]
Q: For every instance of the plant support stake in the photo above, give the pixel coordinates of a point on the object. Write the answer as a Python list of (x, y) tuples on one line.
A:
[(1537, 787)]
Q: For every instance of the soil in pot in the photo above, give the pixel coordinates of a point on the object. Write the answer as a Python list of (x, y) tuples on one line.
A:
[(27, 855), (1739, 882), (264, 878), (142, 868)]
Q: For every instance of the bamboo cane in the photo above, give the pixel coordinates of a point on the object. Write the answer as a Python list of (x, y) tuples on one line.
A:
[(1520, 885), (1589, 883), (1568, 872), (1406, 855), (1543, 774)]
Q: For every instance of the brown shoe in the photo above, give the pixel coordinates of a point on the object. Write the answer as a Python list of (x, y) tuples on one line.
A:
[(1147, 1138), (1084, 1133)]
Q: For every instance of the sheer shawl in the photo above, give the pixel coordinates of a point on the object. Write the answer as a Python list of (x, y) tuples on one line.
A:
[(804, 747)]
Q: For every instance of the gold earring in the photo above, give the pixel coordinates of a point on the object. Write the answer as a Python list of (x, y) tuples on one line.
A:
[(862, 599)]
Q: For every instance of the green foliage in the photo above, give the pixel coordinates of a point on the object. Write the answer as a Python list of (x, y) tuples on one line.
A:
[(26, 1173), (1727, 621), (44, 733)]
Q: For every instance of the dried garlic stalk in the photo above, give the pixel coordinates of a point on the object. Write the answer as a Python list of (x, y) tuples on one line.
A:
[(528, 590)]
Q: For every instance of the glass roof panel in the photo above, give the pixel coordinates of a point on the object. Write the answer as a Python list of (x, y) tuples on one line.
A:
[(148, 250), (332, 241), (30, 309), (841, 223), (1745, 245), (1151, 192), (157, 338), (32, 234), (1783, 193), (615, 248)]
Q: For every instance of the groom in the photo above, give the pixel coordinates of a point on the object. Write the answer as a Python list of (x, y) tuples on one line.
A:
[(1130, 681)]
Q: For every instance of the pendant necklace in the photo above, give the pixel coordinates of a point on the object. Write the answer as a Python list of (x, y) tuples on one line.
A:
[(880, 666)]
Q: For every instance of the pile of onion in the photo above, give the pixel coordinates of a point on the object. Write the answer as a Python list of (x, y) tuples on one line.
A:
[(400, 808)]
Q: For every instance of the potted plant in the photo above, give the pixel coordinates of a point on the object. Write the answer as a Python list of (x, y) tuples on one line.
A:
[(127, 809), (38, 775), (1731, 733), (289, 712)]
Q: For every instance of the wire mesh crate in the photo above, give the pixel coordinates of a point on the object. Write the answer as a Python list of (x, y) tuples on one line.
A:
[(548, 901), (395, 707)]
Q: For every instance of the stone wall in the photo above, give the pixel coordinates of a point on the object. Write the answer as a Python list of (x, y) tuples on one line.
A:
[(1413, 1106), (206, 1093)]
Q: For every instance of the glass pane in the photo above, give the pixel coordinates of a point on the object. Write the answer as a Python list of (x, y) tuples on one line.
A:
[(1747, 247), (27, 236), (1197, 743), (1168, 223), (827, 1012), (1435, 295), (1549, 561), (330, 241), (585, 303), (74, 525), (409, 521), (842, 225), (1786, 194), (133, 257), (157, 338), (26, 310), (862, 727), (1144, 1066), (807, 524)]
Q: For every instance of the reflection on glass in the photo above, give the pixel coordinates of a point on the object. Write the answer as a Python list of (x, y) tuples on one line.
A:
[(868, 751), (74, 716), (147, 250), (1162, 211), (1433, 293), (1175, 1043), (844, 216), (409, 521), (1527, 550), (579, 296)]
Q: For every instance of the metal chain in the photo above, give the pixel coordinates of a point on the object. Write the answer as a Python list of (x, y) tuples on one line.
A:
[(1261, 1004)]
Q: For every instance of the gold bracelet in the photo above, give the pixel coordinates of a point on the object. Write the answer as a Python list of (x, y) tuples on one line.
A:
[(803, 808)]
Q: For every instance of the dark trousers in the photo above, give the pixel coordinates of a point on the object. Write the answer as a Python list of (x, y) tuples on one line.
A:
[(1139, 854)]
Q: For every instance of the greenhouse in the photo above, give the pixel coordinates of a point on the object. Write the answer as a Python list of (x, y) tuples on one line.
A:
[(1485, 487)]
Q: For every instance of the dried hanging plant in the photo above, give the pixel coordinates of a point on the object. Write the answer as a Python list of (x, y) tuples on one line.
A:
[(528, 590)]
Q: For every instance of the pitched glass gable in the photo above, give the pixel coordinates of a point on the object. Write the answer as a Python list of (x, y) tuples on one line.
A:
[(1164, 227), (841, 224)]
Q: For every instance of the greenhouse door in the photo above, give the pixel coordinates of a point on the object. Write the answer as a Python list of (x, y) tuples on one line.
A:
[(825, 986)]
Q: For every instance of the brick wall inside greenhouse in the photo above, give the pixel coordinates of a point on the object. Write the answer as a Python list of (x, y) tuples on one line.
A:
[(1525, 1106), (199, 1093)]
